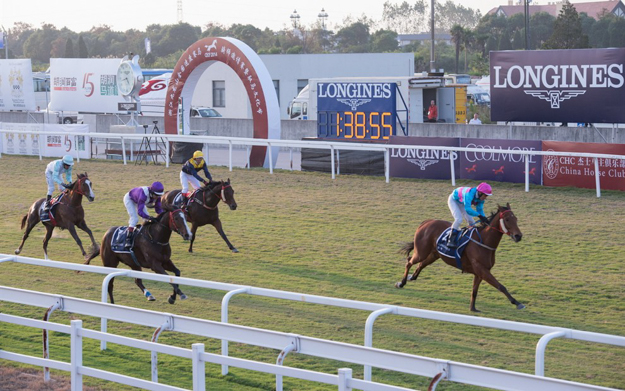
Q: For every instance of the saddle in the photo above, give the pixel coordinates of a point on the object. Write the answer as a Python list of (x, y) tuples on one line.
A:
[(455, 253), (118, 240), (179, 200), (48, 216)]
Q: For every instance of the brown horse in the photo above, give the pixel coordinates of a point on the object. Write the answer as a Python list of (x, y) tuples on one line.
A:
[(478, 257), (151, 250), (68, 214), (202, 207)]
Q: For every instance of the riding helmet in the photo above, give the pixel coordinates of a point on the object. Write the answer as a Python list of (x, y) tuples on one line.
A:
[(485, 188), (197, 154), (68, 159), (157, 188)]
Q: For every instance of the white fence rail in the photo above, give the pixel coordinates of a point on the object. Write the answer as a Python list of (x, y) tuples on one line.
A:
[(327, 145), (288, 342)]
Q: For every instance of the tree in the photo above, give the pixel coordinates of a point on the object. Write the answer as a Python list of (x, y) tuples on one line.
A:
[(69, 49), (541, 28), (82, 48), (450, 14), (405, 18), (457, 36), (384, 41), (38, 46), (567, 30), (353, 38)]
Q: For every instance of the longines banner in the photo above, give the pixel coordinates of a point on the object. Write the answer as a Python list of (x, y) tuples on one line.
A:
[(580, 85), (502, 167), (580, 172), (16, 85), (422, 163), (86, 85)]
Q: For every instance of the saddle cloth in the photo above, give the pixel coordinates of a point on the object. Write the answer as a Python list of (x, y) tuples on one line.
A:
[(179, 201), (118, 240), (454, 253), (44, 216)]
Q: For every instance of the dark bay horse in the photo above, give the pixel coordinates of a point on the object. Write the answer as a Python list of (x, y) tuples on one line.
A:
[(68, 214), (477, 259), (151, 249), (202, 207)]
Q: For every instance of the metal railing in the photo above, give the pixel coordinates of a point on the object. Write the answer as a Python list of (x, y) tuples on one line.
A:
[(547, 332), (327, 145)]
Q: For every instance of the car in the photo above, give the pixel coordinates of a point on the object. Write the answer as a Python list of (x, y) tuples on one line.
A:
[(205, 112), (62, 117)]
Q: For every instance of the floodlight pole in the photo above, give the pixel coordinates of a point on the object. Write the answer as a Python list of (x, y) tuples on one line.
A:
[(432, 68)]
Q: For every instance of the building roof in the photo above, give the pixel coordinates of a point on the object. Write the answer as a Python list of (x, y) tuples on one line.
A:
[(592, 9)]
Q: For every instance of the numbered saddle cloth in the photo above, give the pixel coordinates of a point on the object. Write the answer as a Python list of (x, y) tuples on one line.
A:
[(456, 253), (118, 240), (48, 215)]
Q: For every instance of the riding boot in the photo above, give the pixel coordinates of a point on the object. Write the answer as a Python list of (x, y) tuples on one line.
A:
[(47, 203), (129, 236), (453, 237)]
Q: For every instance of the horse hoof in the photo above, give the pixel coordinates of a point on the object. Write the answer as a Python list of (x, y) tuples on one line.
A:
[(520, 306), (190, 250), (234, 250), (171, 300), (183, 296), (151, 298), (17, 251), (398, 285)]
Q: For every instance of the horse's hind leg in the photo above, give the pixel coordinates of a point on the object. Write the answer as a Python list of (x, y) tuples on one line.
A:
[(32, 221), (476, 285), (218, 227), (489, 278), (194, 227), (427, 261), (421, 264), (169, 266)]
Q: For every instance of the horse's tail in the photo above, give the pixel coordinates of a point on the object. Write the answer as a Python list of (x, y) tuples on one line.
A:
[(406, 248), (24, 221)]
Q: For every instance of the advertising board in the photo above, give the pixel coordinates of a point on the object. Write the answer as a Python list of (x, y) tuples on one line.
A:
[(52, 145), (422, 163), (16, 85)]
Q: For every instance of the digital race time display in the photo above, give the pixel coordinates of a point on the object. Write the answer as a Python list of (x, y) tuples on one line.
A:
[(365, 111)]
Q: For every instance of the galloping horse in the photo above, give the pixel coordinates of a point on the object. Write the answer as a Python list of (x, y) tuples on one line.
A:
[(478, 257), (151, 250), (202, 207), (68, 214)]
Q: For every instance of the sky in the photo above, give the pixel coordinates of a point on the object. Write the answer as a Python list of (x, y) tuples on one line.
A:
[(121, 15)]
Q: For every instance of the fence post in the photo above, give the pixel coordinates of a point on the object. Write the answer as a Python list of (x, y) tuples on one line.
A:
[(369, 334), (270, 158), (527, 172), (199, 367), (230, 155), (76, 355), (123, 150), (332, 161), (224, 319), (387, 165), (453, 167), (345, 374), (597, 177)]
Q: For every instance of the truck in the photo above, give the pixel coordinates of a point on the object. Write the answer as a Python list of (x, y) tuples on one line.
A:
[(412, 97)]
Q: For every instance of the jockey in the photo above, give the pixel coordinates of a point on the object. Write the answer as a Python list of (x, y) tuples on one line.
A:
[(189, 173), (460, 203), (54, 172), (135, 201)]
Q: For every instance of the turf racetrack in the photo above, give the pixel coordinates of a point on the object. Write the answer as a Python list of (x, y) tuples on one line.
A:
[(304, 232)]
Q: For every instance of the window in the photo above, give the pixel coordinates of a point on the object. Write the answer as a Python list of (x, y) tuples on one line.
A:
[(301, 83), (219, 93), (276, 85)]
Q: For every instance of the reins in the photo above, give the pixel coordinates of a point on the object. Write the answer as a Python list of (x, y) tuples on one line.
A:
[(503, 230), (172, 227), (220, 196)]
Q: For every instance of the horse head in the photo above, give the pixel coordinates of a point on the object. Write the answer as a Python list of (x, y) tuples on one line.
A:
[(504, 221), (178, 224), (227, 194), (83, 186)]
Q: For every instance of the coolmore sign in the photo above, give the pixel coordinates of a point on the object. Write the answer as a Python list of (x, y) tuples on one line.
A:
[(580, 85), (495, 162)]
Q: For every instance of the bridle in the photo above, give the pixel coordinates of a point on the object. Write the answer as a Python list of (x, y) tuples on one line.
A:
[(78, 186), (172, 227), (502, 226), (220, 196)]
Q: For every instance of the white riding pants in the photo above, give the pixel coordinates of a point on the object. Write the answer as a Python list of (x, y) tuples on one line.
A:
[(458, 212), (51, 183), (132, 209), (185, 179)]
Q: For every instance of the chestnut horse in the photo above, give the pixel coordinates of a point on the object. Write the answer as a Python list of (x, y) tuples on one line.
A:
[(68, 214), (478, 257), (151, 250), (202, 207)]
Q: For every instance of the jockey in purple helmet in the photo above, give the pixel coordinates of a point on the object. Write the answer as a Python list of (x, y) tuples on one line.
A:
[(461, 202), (135, 201)]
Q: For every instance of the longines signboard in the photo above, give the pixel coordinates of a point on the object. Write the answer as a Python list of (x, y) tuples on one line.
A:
[(576, 85)]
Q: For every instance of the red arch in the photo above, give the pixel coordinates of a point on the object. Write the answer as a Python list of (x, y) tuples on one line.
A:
[(232, 53)]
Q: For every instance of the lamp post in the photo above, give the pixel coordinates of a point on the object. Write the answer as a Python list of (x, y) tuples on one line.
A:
[(432, 69), (323, 15), (526, 7), (295, 19)]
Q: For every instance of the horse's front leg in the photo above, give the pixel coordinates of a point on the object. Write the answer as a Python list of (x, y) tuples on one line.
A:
[(217, 225), (72, 231), (83, 225), (169, 266), (488, 277), (194, 227)]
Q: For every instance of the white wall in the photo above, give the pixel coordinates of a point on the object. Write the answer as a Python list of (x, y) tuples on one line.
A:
[(288, 68)]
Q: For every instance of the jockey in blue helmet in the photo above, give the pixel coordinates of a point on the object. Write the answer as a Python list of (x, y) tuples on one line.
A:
[(54, 171)]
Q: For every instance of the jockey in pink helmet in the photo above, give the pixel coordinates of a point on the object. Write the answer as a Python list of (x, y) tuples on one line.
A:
[(461, 202)]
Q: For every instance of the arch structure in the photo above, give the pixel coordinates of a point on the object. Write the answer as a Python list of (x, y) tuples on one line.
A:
[(252, 73)]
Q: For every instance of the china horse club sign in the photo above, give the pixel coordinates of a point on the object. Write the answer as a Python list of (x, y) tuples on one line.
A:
[(253, 74)]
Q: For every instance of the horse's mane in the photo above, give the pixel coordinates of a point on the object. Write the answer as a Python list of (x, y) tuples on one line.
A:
[(494, 213), (159, 217), (213, 184), (78, 177)]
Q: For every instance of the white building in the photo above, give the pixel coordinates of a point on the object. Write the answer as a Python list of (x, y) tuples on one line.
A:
[(220, 88)]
